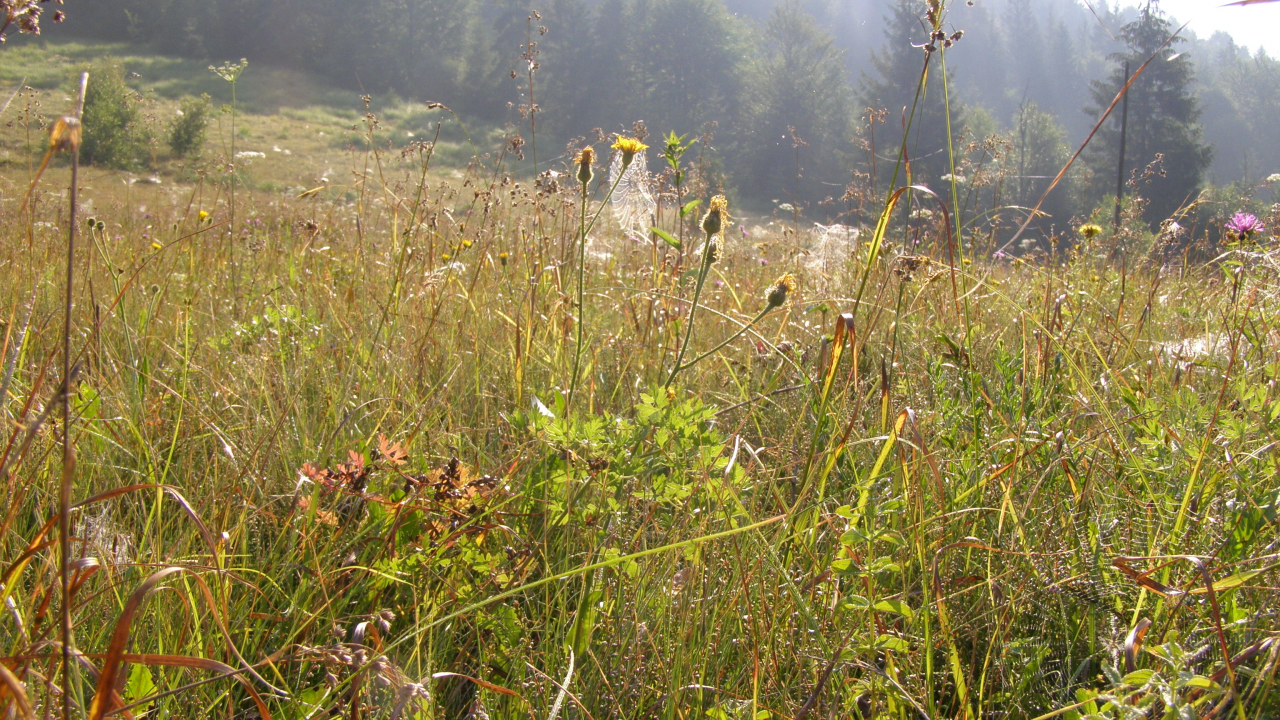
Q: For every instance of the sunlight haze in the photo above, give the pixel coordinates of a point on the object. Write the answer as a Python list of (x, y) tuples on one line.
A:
[(1252, 26)]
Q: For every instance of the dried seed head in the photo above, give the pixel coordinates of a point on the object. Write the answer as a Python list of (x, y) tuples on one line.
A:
[(717, 216), (586, 158), (781, 288)]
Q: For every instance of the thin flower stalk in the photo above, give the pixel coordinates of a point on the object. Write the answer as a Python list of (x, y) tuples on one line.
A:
[(713, 225)]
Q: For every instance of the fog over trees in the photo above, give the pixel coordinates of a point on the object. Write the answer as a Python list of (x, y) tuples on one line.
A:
[(786, 88)]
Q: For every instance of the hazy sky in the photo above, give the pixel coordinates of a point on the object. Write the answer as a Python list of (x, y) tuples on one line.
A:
[(1253, 26)]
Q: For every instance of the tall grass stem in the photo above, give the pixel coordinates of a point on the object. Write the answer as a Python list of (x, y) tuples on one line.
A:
[(68, 452)]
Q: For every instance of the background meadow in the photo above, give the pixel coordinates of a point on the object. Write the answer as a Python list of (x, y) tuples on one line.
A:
[(367, 422)]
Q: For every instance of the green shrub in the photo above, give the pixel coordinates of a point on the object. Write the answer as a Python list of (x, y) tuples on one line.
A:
[(187, 132), (114, 135)]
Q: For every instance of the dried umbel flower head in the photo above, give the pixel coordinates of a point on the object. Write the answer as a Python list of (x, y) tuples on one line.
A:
[(717, 216), (779, 290), (585, 159), (629, 147), (1090, 231), (25, 14), (906, 266)]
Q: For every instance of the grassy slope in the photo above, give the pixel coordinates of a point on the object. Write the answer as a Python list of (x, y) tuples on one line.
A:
[(963, 566)]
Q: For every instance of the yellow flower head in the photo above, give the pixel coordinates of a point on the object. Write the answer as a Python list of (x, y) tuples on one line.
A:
[(781, 287), (717, 216), (629, 147), (1090, 231), (466, 244), (204, 215), (585, 159)]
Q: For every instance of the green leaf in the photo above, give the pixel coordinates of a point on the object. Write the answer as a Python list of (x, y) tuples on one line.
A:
[(1235, 581), (856, 602), (1201, 681), (889, 642), (689, 207), (1138, 678), (897, 607), (666, 237), (139, 685), (841, 566)]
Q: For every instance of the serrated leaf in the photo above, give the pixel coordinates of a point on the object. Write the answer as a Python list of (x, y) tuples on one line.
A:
[(666, 237)]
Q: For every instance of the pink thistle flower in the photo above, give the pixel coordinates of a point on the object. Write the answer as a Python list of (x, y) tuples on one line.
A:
[(1245, 225)]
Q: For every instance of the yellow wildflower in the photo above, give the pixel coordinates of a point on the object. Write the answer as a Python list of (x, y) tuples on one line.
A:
[(629, 147), (1090, 231)]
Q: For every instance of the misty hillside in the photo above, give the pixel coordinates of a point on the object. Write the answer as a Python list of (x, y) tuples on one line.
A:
[(767, 82)]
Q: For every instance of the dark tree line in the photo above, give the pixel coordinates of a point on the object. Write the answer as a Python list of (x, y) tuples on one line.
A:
[(784, 87)]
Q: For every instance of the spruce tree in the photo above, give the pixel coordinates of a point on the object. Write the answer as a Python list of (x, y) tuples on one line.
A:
[(689, 58), (1164, 119), (799, 127)]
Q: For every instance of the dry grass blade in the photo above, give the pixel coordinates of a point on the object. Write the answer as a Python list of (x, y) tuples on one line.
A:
[(195, 663), (13, 686), (114, 658), (1133, 644), (38, 543), (486, 685)]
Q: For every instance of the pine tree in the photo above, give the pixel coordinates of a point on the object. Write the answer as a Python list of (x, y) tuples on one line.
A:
[(798, 131), (899, 67), (690, 60), (1164, 120), (569, 52)]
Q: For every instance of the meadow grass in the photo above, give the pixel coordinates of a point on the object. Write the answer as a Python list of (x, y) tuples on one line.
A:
[(348, 478)]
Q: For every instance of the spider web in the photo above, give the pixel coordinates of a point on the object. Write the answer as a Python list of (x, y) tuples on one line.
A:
[(632, 202)]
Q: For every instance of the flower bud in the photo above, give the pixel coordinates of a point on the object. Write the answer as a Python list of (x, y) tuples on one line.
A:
[(718, 214), (586, 158), (778, 291)]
